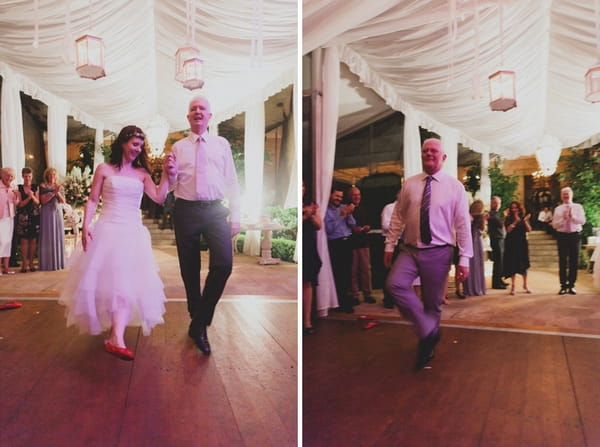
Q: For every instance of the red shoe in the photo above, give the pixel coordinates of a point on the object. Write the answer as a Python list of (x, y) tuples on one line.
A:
[(10, 305), (122, 353), (370, 324)]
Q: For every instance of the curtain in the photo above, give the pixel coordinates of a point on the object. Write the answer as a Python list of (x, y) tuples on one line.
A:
[(57, 136), (326, 120), (11, 126), (485, 191), (449, 140), (412, 144), (254, 156)]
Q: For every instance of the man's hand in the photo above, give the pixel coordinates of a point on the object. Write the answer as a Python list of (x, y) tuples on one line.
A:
[(235, 228), (462, 273), (387, 259)]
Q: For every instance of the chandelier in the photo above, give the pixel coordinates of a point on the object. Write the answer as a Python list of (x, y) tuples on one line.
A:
[(547, 155)]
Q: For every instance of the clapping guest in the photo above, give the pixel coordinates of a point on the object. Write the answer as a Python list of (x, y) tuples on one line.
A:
[(9, 198), (311, 261), (28, 219), (52, 232), (516, 249)]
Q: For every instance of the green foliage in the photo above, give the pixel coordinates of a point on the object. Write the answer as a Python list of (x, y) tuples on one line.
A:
[(288, 217), (582, 174), (236, 141), (503, 186), (86, 155), (473, 181), (280, 248)]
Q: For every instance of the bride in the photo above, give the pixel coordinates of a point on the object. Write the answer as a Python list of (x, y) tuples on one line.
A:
[(113, 279)]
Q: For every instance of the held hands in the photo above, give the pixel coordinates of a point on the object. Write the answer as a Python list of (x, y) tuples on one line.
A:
[(462, 273), (387, 259), (170, 165)]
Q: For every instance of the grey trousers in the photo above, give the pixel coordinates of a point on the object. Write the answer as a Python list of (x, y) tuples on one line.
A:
[(432, 265), (191, 219)]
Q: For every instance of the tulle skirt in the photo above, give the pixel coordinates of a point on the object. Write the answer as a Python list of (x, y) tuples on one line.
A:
[(117, 271)]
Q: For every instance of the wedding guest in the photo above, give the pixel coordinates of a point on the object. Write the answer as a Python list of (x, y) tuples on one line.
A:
[(475, 282), (311, 261), (516, 248), (113, 280), (52, 232), (9, 198), (28, 220)]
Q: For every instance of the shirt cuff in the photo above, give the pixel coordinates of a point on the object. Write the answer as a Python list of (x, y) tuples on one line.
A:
[(463, 261)]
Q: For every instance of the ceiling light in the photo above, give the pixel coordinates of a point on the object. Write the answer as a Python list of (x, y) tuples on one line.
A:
[(192, 73), (502, 90)]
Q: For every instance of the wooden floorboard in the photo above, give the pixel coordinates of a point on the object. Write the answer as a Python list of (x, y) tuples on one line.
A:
[(60, 388), (484, 389)]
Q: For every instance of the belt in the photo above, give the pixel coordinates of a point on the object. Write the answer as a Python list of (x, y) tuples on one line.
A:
[(200, 203), (431, 247), (340, 239)]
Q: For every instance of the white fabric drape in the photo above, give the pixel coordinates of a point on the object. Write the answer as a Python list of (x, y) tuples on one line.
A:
[(450, 144), (11, 122), (485, 190), (254, 157), (98, 142), (57, 136), (412, 145), (401, 51), (325, 156), (291, 198)]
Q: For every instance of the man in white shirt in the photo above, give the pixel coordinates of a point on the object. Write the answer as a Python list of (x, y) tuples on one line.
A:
[(433, 216), (568, 220), (202, 172)]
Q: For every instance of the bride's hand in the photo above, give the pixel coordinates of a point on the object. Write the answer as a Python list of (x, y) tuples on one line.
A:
[(85, 234)]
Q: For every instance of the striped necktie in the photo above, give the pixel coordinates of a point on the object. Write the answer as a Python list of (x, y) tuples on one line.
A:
[(425, 203)]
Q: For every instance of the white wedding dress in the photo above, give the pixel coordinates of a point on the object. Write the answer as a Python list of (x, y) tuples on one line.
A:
[(118, 268)]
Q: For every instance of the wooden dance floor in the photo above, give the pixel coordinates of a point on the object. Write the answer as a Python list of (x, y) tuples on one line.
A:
[(59, 388), (485, 388)]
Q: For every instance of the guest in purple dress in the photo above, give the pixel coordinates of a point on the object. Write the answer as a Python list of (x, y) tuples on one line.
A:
[(52, 232), (475, 282)]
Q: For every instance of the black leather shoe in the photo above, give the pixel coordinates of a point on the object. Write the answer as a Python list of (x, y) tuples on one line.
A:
[(500, 286), (572, 291), (388, 305), (505, 284), (200, 339), (562, 291), (426, 350), (355, 301), (370, 300)]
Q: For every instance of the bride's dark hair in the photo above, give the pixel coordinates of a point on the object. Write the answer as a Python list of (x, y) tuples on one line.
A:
[(116, 148)]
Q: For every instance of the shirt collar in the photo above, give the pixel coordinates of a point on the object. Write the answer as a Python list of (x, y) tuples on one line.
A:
[(194, 136)]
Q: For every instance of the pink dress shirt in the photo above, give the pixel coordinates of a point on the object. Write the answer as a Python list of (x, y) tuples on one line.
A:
[(449, 217), (206, 171)]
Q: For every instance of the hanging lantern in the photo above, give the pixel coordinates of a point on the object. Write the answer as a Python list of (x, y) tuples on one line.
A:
[(182, 55), (90, 57), (157, 131), (548, 154), (502, 90), (192, 73), (592, 84)]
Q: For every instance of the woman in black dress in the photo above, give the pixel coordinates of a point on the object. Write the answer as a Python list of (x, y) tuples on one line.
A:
[(516, 248), (311, 262), (28, 219)]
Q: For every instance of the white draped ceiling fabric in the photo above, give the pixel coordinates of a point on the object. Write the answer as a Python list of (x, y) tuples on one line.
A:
[(141, 38), (405, 52)]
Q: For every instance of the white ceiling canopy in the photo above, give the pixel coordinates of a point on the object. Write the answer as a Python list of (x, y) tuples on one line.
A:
[(434, 57), (141, 38)]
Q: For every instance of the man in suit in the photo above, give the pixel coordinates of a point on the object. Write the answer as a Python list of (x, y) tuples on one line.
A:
[(202, 172), (433, 216), (497, 232)]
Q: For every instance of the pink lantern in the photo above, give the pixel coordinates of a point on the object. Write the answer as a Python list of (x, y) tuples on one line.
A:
[(192, 73), (502, 90), (182, 55), (592, 84), (90, 57)]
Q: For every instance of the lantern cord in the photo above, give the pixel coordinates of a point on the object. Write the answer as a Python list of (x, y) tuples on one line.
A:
[(36, 28), (452, 33), (476, 74), (190, 14), (68, 49), (598, 29), (501, 14), (256, 43)]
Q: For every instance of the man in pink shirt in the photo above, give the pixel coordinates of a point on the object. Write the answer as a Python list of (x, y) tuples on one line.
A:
[(432, 214), (202, 173)]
